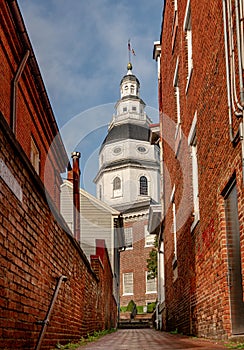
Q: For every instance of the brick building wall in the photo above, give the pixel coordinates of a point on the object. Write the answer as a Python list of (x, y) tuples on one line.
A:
[(32, 119), (36, 250), (198, 291), (134, 260)]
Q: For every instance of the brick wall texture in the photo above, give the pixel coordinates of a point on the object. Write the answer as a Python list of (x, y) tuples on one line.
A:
[(198, 299), (35, 251)]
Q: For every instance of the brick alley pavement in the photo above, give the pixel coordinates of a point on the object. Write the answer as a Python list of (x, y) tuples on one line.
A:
[(149, 339)]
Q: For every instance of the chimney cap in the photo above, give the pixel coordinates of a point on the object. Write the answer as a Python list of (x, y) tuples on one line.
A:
[(75, 154)]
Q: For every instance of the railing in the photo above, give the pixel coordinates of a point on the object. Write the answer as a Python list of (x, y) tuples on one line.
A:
[(45, 322)]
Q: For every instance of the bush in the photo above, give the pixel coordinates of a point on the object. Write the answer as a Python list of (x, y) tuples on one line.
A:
[(151, 307), (130, 306)]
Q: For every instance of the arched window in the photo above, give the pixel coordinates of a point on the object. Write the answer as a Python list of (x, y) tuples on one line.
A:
[(143, 186), (117, 191)]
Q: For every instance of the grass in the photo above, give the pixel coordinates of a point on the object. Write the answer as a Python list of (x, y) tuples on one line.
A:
[(235, 345), (84, 340)]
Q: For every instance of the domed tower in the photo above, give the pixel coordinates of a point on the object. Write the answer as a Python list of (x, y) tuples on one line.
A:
[(128, 180), (128, 173)]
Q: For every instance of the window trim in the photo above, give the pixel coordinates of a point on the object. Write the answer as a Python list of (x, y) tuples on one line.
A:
[(188, 30), (152, 279), (117, 192), (131, 228), (132, 275), (192, 143), (141, 188)]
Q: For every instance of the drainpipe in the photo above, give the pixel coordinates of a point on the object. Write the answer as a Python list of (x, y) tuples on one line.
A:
[(47, 319), (240, 49), (239, 19), (76, 195), (15, 85)]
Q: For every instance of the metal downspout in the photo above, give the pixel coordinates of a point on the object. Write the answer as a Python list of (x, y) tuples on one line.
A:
[(47, 319), (240, 133), (15, 85)]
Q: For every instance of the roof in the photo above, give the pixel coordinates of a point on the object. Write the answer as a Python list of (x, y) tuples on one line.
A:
[(125, 132), (93, 199)]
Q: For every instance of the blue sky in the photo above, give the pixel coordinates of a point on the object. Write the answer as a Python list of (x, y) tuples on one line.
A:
[(81, 48)]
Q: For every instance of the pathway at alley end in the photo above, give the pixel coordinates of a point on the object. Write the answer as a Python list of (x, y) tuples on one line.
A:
[(150, 339)]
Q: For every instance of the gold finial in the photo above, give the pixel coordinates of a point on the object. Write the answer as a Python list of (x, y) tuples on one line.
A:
[(129, 66)]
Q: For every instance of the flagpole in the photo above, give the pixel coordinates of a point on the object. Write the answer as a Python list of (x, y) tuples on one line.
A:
[(129, 51)]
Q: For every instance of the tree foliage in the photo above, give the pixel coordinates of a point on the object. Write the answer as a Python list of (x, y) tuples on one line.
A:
[(152, 262)]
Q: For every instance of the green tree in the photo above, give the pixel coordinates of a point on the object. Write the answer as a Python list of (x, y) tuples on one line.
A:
[(152, 262)]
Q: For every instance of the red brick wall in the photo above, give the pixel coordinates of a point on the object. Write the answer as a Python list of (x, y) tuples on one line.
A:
[(135, 260), (198, 300), (35, 251), (34, 116)]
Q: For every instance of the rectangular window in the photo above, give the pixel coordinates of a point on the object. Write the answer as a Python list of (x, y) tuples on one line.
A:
[(174, 231), (35, 156), (192, 142), (177, 104), (149, 239), (175, 24), (128, 232), (151, 284), (188, 32), (128, 283)]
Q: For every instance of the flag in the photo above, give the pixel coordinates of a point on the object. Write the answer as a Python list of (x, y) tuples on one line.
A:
[(129, 45), (133, 52)]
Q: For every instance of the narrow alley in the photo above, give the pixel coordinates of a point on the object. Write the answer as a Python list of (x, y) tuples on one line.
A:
[(149, 339)]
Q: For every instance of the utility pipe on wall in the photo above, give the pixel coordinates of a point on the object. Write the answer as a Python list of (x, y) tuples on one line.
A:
[(15, 85), (230, 69)]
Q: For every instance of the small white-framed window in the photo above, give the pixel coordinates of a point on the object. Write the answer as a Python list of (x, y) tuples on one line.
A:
[(151, 284), (174, 226), (124, 109), (188, 32), (143, 186), (175, 24), (177, 91), (128, 283), (117, 187), (149, 239), (35, 156), (192, 142), (128, 233), (178, 133), (133, 108)]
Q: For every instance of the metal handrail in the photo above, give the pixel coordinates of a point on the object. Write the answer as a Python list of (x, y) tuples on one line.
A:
[(46, 321)]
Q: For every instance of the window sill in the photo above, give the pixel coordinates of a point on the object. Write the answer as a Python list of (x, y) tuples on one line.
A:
[(189, 79), (127, 294), (151, 292)]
